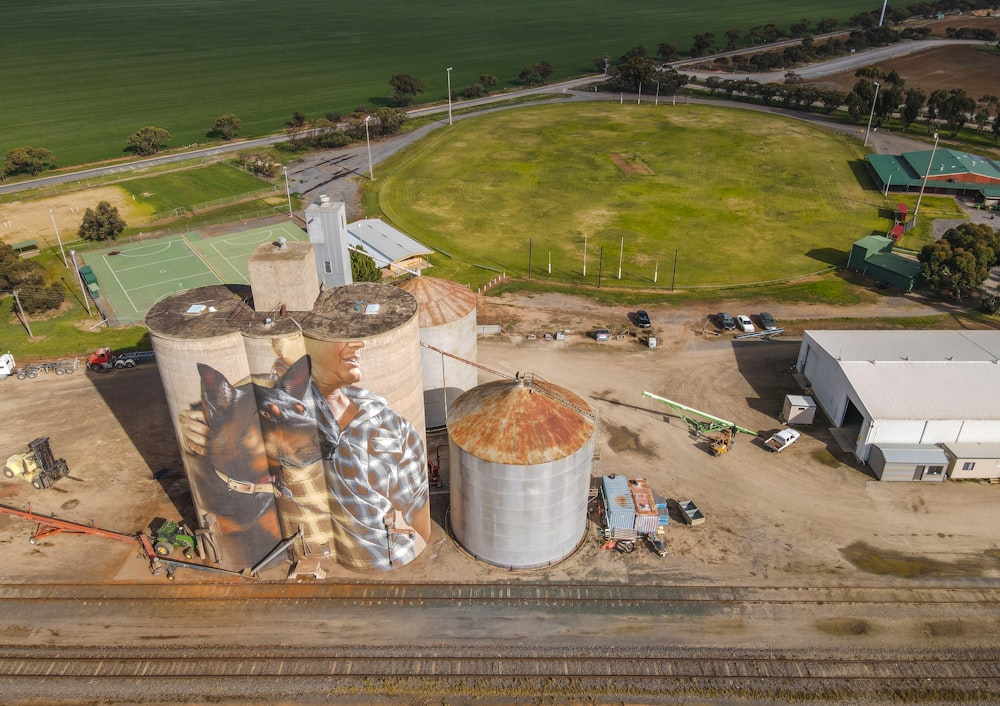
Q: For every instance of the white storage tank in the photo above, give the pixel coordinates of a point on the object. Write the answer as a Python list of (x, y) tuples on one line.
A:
[(446, 312), (521, 453)]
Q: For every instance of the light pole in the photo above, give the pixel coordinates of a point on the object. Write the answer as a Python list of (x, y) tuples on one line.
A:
[(371, 174), (79, 279), (872, 114), (288, 191), (58, 239), (449, 94), (927, 173)]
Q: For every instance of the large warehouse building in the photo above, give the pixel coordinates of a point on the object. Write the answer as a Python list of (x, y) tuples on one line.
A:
[(904, 396)]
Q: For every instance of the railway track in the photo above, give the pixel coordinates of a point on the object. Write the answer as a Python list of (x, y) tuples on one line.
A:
[(187, 641)]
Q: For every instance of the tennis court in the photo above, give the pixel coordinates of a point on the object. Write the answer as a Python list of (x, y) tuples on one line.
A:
[(131, 278)]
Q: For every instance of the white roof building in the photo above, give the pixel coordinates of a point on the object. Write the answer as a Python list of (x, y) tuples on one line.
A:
[(906, 387), (388, 246)]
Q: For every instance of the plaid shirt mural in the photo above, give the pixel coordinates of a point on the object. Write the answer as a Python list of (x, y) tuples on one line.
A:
[(376, 474)]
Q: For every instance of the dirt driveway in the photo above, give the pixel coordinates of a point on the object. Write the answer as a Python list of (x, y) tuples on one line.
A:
[(793, 517)]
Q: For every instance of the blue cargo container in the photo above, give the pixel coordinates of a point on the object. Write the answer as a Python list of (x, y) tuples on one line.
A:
[(616, 498)]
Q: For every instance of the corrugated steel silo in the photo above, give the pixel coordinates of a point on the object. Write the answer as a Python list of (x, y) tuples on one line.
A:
[(447, 317), (520, 458)]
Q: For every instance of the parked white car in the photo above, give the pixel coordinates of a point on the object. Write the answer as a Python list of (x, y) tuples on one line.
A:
[(744, 323)]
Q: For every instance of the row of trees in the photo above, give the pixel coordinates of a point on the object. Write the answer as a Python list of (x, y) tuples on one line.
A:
[(28, 277), (947, 108), (960, 261)]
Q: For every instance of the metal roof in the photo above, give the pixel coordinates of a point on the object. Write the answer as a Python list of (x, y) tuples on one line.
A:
[(950, 169), (926, 390), (913, 453), (913, 346), (439, 301), (384, 243), (972, 449), (919, 374)]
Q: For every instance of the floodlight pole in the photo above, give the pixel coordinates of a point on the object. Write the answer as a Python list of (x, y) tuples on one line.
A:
[(449, 92), (58, 239), (584, 255), (79, 279), (371, 173), (657, 102), (926, 175), (288, 192), (881, 18), (621, 254), (638, 98), (872, 114)]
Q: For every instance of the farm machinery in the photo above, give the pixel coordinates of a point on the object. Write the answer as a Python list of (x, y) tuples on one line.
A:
[(9, 368), (720, 433), (155, 549), (38, 466)]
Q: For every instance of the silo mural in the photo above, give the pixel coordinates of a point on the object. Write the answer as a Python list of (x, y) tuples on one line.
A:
[(447, 316), (282, 434), (521, 453)]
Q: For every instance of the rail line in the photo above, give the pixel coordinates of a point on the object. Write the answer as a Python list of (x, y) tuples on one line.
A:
[(512, 593), (179, 677), (198, 649)]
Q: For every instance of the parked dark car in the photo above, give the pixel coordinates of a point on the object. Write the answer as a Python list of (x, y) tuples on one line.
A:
[(767, 322), (642, 319), (726, 321)]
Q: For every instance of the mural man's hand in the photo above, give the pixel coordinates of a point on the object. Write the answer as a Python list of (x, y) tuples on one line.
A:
[(194, 431)]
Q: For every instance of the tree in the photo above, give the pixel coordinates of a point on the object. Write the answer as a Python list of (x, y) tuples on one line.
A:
[(488, 82), (913, 103), (102, 223), (799, 28), (535, 73), (826, 25), (961, 259), (954, 107), (388, 120), (666, 51), (363, 267), (148, 140), (405, 88), (732, 35), (27, 160), (262, 164), (702, 43), (227, 125)]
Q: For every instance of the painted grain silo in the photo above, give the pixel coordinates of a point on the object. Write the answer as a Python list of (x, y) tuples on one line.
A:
[(447, 317), (203, 364), (283, 438), (520, 459), (363, 340)]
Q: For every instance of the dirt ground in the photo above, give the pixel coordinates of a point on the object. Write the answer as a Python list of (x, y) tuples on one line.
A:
[(32, 220), (965, 67), (806, 516)]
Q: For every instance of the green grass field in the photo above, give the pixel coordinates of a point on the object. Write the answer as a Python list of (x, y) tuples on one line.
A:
[(80, 76), (184, 189), (739, 196)]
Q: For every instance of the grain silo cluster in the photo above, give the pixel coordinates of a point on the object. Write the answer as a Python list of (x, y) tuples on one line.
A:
[(303, 410)]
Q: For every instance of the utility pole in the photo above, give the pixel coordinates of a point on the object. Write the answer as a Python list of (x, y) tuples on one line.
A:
[(79, 279), (58, 239), (23, 317)]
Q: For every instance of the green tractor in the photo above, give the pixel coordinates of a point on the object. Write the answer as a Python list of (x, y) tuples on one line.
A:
[(172, 534)]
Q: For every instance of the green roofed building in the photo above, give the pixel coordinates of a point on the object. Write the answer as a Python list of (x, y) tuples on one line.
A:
[(952, 172), (872, 256)]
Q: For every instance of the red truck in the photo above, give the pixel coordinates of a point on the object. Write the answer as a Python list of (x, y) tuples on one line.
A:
[(105, 359)]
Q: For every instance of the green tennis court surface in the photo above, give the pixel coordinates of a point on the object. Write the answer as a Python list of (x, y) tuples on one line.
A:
[(132, 278)]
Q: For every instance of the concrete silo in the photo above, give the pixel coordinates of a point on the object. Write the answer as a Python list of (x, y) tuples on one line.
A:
[(520, 459), (203, 364), (363, 338), (447, 317)]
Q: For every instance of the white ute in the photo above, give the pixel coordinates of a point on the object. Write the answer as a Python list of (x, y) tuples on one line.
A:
[(782, 440)]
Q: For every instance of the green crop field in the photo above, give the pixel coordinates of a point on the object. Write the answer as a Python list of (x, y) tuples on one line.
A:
[(738, 196), (80, 76)]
